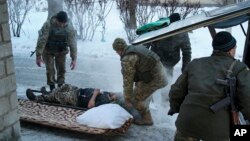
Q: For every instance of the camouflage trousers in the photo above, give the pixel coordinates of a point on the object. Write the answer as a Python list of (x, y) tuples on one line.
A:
[(55, 64), (180, 137), (143, 91), (66, 95)]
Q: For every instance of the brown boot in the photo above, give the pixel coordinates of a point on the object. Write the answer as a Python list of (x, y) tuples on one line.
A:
[(145, 120)]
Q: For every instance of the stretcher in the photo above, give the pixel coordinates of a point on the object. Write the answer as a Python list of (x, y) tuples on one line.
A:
[(61, 117)]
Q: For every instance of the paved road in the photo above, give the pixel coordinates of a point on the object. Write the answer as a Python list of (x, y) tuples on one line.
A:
[(90, 72)]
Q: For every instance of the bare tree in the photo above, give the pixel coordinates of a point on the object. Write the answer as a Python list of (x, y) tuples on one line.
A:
[(123, 6), (185, 8), (188, 8), (18, 10), (146, 11), (132, 16), (41, 5), (105, 8), (77, 9), (54, 6), (88, 15), (92, 19)]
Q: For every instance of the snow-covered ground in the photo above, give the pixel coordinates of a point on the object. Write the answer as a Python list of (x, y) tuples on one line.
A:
[(98, 66)]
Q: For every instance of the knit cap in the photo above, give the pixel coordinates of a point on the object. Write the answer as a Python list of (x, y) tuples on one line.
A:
[(223, 41)]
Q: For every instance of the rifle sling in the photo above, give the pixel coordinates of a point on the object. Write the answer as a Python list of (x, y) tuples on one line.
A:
[(215, 107)]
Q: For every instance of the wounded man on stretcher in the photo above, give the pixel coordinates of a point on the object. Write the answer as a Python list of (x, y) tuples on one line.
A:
[(81, 97), (74, 96)]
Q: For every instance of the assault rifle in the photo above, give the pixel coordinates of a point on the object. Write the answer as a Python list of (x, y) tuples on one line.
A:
[(32, 53), (230, 84)]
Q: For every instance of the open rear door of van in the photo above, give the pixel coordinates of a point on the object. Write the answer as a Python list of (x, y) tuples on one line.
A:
[(222, 17)]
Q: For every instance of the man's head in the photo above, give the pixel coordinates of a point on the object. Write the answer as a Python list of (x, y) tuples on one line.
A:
[(61, 18), (119, 45), (112, 96), (224, 41), (174, 17)]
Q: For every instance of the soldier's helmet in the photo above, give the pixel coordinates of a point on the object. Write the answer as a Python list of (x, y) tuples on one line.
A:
[(119, 44)]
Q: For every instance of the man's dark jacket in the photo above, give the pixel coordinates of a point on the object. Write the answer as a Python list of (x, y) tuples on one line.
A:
[(169, 50), (196, 90)]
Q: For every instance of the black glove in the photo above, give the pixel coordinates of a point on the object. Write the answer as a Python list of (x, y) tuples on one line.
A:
[(170, 112)]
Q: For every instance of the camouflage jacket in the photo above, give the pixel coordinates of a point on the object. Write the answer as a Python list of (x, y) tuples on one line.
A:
[(196, 90), (168, 49), (44, 34), (128, 64), (136, 61)]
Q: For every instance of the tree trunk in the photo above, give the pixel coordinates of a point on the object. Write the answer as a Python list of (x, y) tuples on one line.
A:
[(54, 6), (18, 30), (132, 17)]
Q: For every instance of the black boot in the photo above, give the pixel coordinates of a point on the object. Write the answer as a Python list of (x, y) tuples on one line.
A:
[(30, 95), (59, 85), (51, 87), (44, 91)]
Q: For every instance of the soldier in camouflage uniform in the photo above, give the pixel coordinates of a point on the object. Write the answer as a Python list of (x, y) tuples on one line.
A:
[(142, 67), (196, 90), (74, 96), (168, 49), (56, 35)]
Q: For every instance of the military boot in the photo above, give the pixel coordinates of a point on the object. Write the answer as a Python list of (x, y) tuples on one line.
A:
[(133, 112), (44, 91), (30, 95), (59, 85), (52, 87), (146, 119)]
